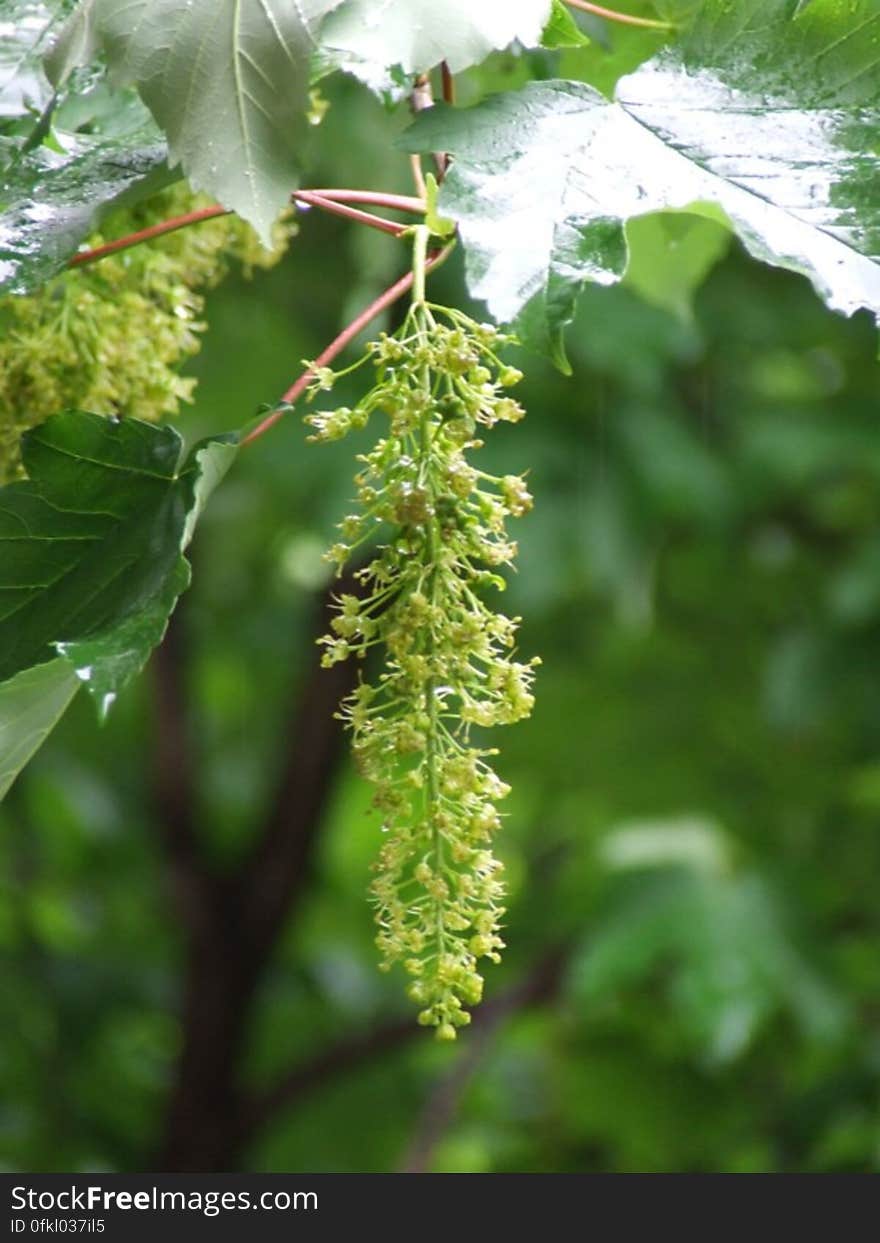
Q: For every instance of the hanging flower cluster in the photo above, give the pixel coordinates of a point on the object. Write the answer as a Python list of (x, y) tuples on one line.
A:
[(437, 525)]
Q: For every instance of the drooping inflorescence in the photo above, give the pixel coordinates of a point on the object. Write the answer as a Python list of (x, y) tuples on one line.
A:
[(436, 525)]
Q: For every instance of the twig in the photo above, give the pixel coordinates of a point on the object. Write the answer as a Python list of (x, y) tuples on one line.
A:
[(443, 1102), (448, 83), (327, 200), (422, 96), (348, 1054), (337, 208), (415, 163), (611, 15), (338, 344), (539, 986), (145, 235), (448, 88), (375, 198)]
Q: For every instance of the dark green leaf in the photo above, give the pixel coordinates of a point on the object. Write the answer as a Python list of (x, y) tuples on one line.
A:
[(562, 30), (92, 544)]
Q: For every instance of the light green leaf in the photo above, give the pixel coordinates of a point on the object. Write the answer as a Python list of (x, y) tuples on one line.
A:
[(669, 256), (773, 119), (418, 34), (31, 704), (440, 226), (562, 30), (693, 842), (227, 81), (718, 941)]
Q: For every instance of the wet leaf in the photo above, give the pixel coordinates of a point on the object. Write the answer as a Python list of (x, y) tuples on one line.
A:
[(25, 27), (92, 544), (772, 119), (562, 30), (50, 202), (669, 255)]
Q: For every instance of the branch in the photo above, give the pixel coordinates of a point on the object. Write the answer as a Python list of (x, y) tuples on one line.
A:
[(539, 986), (241, 910), (348, 1054), (315, 198), (173, 770), (415, 164), (145, 235), (338, 344), (611, 15), (274, 873), (422, 97), (338, 208), (440, 1110)]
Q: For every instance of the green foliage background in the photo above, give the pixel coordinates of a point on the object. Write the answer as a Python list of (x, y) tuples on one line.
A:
[(696, 799)]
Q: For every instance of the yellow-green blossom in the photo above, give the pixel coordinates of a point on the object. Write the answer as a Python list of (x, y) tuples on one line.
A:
[(449, 659)]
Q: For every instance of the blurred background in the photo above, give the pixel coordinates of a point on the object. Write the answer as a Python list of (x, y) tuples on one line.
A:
[(189, 980)]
